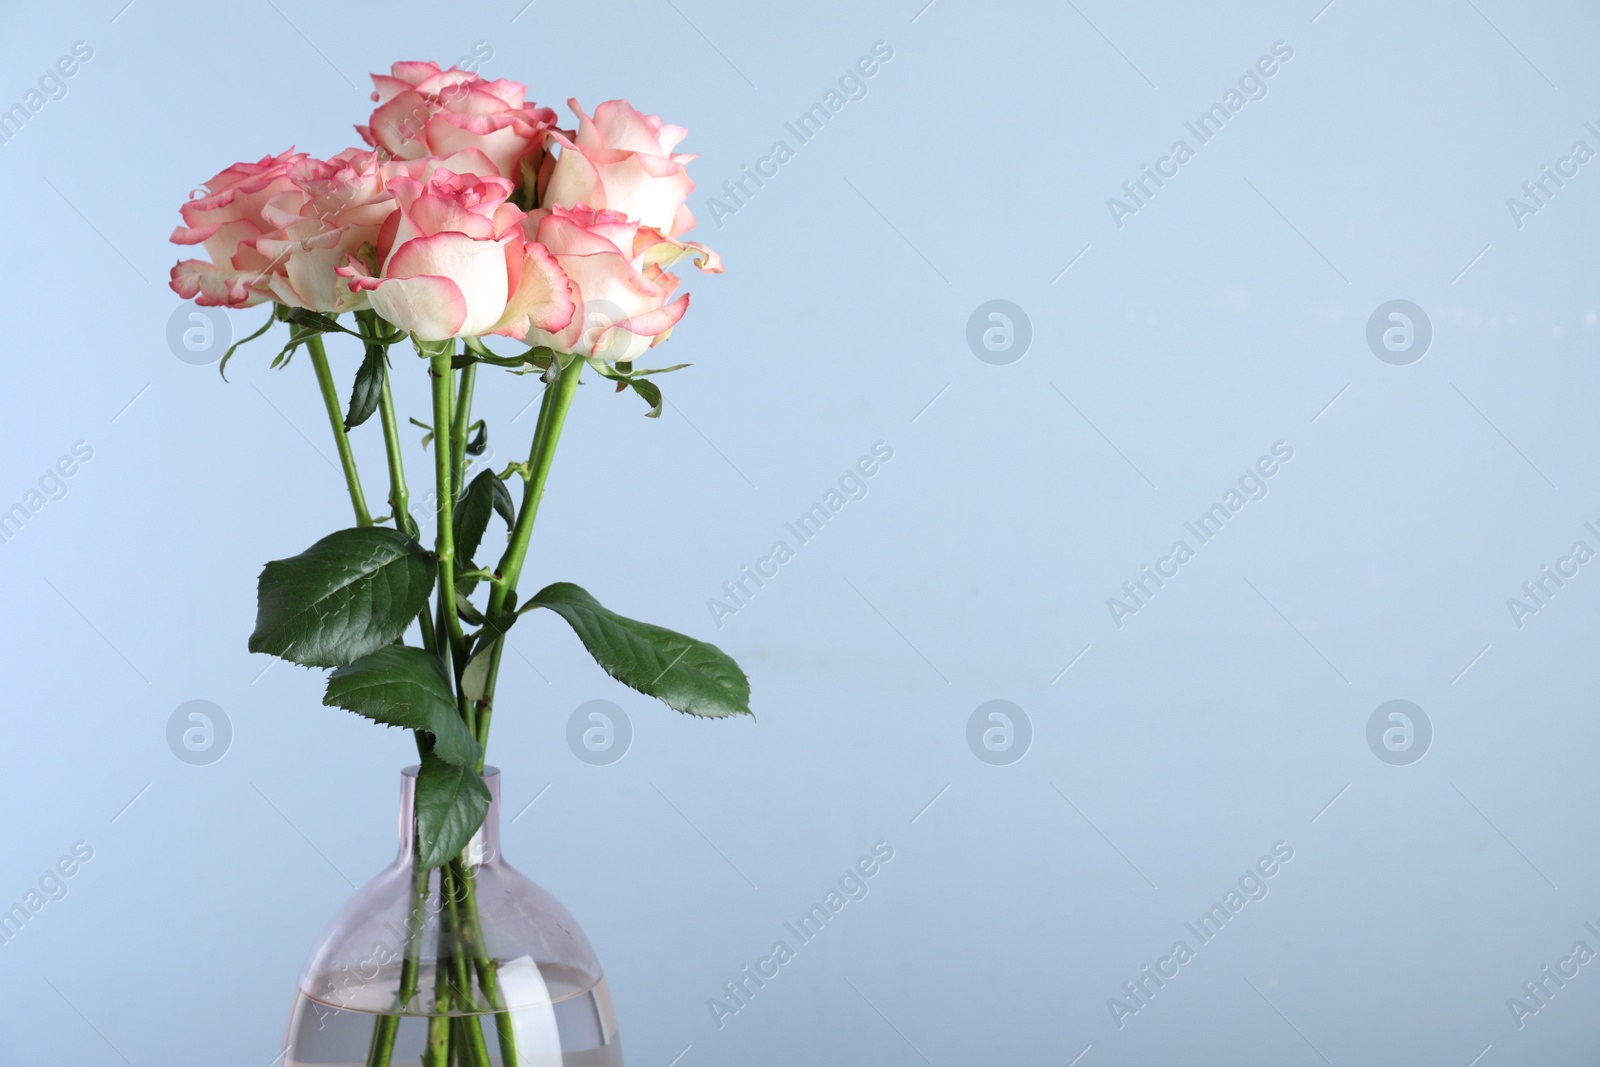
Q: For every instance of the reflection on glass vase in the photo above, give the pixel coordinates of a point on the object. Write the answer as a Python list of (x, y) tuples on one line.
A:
[(468, 964)]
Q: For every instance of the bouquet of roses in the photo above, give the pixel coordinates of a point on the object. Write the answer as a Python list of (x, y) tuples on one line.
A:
[(469, 215)]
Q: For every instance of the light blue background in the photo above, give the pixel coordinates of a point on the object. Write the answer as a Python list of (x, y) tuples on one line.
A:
[(1224, 717)]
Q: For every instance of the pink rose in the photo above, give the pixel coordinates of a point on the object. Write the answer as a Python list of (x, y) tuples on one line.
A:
[(623, 161), (345, 204), (455, 263), (425, 111), (335, 209), (228, 218), (280, 229), (624, 297)]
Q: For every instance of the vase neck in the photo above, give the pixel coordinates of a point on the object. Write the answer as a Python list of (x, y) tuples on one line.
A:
[(485, 844)]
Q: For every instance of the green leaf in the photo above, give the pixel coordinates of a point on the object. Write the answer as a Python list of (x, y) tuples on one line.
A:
[(615, 372), (538, 357), (348, 595), (494, 628), (623, 371), (652, 396), (427, 437), (475, 679), (688, 675), (472, 514), (403, 686), (304, 324), (368, 388), (626, 377), (451, 804), (430, 349), (313, 322), (465, 608), (502, 502), (222, 368), (297, 336), (485, 495), (480, 439), (511, 362)]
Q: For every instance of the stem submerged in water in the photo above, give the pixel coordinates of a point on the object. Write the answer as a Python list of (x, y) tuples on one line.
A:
[(436, 1053), (381, 1052), (473, 1051), (488, 976)]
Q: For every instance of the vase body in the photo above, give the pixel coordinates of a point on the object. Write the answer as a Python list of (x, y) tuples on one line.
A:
[(470, 964)]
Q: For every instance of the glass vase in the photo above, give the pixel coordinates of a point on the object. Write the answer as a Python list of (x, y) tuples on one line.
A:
[(465, 965)]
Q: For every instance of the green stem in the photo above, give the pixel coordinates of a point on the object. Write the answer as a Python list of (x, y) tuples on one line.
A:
[(542, 455), (399, 494), (460, 977), (488, 976), (341, 439), (381, 1051), (410, 968), (552, 418), (462, 426), (444, 545), (474, 1052), (486, 702), (436, 1052)]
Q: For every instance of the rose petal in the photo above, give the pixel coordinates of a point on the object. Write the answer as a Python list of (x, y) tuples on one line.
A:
[(430, 307), (542, 300)]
